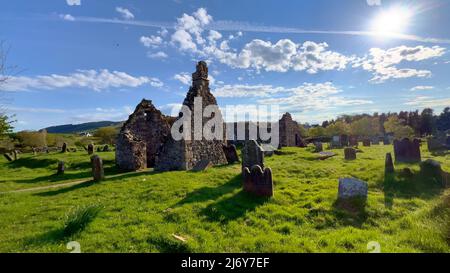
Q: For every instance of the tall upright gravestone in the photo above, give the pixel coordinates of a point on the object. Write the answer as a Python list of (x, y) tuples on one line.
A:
[(252, 154), (407, 151), (98, 173)]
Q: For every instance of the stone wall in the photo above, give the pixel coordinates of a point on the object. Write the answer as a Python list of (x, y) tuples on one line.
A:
[(146, 129), (290, 132), (185, 154)]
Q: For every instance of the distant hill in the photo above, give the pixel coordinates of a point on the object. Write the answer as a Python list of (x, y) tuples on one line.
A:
[(82, 127)]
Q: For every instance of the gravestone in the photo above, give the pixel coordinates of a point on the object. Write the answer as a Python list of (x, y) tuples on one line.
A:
[(375, 140), (16, 154), (60, 168), (437, 144), (230, 153), (8, 157), (325, 155), (432, 169), (90, 148), (64, 148), (99, 149), (268, 149), (353, 141), (318, 147), (335, 142), (344, 140), (257, 181), (98, 173), (389, 164), (350, 154), (351, 188), (407, 151), (106, 148), (252, 154), (202, 165), (366, 142), (34, 151)]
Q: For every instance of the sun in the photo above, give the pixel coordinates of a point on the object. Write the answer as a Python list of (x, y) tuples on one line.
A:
[(394, 20)]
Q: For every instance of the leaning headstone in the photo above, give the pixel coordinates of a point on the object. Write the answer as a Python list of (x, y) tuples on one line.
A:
[(202, 165), (318, 147), (252, 154), (257, 181), (90, 148), (432, 169), (98, 173), (389, 164), (230, 153), (8, 157), (350, 154), (64, 148), (351, 188), (60, 168), (366, 142), (16, 154), (407, 151)]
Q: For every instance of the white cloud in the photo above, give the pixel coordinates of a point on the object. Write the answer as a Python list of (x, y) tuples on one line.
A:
[(157, 55), (67, 17), (308, 96), (90, 79), (184, 40), (152, 41), (184, 77), (373, 2), (125, 13), (422, 87), (428, 102), (73, 2), (383, 63), (101, 114)]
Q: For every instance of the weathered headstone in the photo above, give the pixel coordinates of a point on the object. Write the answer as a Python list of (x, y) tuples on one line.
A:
[(325, 155), (8, 157), (335, 142), (350, 154), (64, 148), (106, 148), (389, 164), (257, 181), (318, 147), (90, 148), (353, 141), (16, 154), (437, 144), (351, 188), (432, 169), (60, 168), (375, 140), (34, 151), (98, 173), (252, 154), (366, 142), (202, 165), (230, 153), (406, 150), (344, 140)]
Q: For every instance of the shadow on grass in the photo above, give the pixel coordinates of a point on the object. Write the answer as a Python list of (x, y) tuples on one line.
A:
[(211, 193), (65, 190), (49, 237), (350, 212), (32, 163), (232, 208), (406, 184)]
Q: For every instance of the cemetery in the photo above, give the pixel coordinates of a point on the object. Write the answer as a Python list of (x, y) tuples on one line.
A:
[(149, 192)]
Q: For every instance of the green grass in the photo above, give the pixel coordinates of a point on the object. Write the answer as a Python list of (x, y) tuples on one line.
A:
[(142, 211)]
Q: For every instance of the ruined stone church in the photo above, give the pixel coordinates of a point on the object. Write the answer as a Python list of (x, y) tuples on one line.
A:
[(145, 138)]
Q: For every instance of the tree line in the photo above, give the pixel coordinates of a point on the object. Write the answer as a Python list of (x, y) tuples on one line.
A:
[(402, 124)]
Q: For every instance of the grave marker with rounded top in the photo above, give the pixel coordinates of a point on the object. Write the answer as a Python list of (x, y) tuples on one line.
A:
[(60, 168), (389, 164), (98, 173)]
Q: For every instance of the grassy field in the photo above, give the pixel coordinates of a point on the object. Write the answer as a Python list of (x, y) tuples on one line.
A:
[(141, 212)]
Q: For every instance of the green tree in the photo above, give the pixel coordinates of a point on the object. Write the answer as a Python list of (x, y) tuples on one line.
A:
[(32, 139), (365, 127), (427, 122), (443, 121), (337, 128), (395, 125), (107, 134), (316, 131)]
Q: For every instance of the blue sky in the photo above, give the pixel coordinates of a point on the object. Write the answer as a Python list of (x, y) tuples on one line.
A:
[(86, 60)]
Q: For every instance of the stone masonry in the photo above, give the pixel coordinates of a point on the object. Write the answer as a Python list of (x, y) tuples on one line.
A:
[(290, 132)]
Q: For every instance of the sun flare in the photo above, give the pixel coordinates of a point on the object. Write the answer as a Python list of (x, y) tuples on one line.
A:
[(394, 20)]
